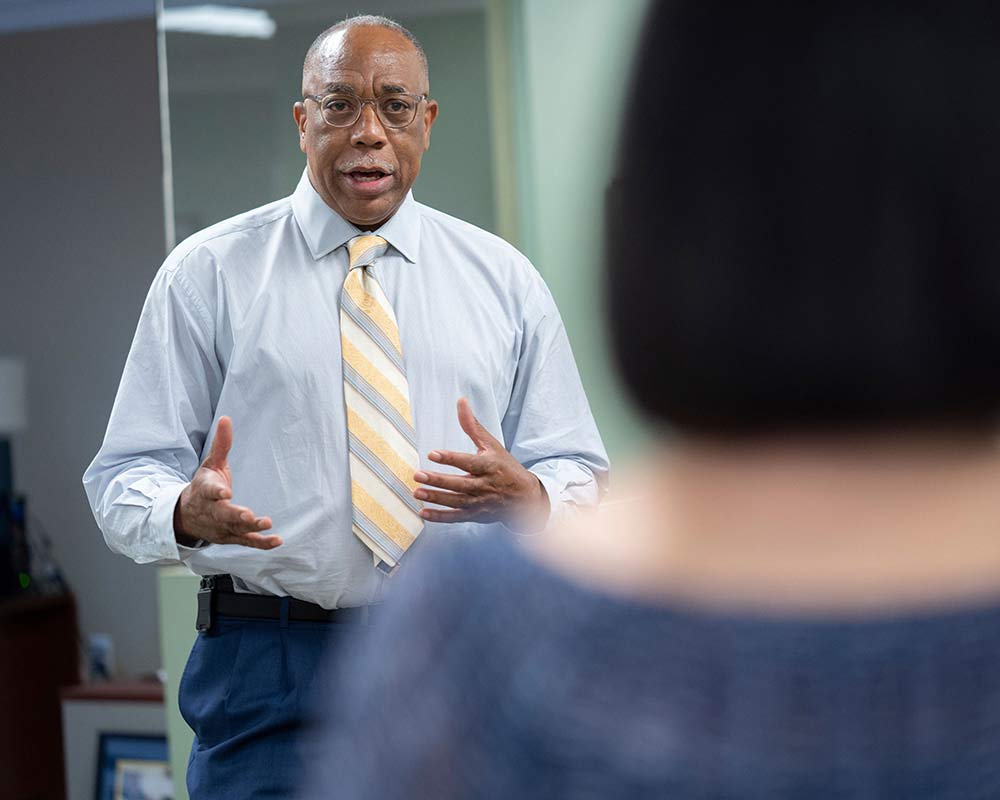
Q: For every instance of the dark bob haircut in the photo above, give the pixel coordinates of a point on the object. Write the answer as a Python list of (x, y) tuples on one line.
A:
[(804, 231)]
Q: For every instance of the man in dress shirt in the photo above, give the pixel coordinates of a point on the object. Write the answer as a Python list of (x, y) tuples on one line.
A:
[(227, 448)]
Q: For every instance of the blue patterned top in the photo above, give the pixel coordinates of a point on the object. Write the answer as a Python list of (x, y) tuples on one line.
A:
[(491, 676)]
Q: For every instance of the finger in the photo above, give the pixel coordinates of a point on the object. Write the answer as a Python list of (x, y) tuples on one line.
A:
[(238, 520), (256, 541), (450, 499), (472, 427), (226, 513), (221, 444), (442, 515), (238, 531), (466, 462), (454, 483)]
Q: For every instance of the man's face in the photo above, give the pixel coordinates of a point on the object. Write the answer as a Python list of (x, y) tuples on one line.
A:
[(364, 171)]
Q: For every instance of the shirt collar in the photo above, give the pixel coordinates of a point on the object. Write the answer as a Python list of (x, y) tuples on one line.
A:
[(325, 230)]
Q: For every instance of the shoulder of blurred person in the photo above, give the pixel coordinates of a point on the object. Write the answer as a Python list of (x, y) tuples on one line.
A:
[(511, 667)]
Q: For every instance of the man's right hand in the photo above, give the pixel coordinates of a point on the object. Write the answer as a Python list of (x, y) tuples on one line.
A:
[(203, 510)]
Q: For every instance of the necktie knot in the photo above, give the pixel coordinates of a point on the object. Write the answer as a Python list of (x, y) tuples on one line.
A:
[(363, 250)]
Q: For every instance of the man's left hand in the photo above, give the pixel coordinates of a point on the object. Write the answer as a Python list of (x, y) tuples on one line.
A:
[(496, 487)]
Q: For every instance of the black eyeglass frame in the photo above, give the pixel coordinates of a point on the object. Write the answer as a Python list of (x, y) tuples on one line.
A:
[(320, 98)]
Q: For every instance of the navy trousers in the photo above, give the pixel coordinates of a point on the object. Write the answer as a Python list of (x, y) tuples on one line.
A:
[(249, 692)]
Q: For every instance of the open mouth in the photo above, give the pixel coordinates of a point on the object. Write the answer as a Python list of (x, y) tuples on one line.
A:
[(367, 176), (369, 181)]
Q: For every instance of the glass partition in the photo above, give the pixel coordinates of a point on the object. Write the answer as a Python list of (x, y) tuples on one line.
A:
[(234, 70)]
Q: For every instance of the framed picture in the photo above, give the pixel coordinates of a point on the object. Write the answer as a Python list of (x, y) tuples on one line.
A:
[(133, 767)]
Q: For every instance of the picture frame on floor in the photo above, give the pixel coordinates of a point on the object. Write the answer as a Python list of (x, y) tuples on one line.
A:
[(133, 767)]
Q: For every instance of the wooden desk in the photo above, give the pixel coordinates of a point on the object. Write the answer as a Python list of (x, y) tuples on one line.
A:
[(38, 656), (117, 692)]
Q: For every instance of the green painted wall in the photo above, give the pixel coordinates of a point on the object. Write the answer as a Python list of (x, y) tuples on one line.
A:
[(571, 68), (177, 590)]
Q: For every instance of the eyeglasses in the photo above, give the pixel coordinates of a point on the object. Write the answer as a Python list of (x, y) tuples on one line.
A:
[(395, 110)]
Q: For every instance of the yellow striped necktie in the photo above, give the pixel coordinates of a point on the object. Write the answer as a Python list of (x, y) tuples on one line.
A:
[(382, 443)]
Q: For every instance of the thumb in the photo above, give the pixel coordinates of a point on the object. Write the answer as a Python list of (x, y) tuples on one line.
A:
[(472, 427), (221, 444)]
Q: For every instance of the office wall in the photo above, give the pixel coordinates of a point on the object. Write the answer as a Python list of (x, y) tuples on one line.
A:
[(571, 62), (82, 235)]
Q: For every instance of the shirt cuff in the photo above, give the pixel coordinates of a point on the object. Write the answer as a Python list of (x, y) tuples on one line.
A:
[(556, 507), (161, 521), (552, 487)]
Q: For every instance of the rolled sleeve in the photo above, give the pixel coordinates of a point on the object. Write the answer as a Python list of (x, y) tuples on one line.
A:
[(548, 426), (159, 424), (569, 486)]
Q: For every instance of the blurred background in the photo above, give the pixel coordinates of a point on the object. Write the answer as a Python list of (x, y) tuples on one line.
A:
[(127, 127)]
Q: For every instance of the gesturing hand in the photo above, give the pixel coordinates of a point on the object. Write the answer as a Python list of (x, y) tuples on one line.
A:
[(203, 510), (495, 487)]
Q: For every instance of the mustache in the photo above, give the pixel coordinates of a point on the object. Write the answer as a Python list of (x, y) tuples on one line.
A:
[(368, 164)]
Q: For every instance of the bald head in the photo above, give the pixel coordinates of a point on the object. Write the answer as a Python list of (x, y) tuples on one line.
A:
[(325, 46), (364, 169)]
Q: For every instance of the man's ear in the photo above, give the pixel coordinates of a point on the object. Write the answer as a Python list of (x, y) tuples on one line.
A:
[(300, 115), (429, 116)]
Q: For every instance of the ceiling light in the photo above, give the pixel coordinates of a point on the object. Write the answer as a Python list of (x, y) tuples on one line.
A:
[(214, 20)]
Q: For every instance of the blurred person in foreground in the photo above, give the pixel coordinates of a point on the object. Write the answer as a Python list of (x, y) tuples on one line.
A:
[(804, 287)]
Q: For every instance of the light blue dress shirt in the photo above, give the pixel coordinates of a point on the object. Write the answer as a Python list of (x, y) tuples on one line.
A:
[(243, 320)]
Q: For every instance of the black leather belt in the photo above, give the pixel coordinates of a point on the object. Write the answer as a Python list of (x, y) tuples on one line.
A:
[(217, 597)]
